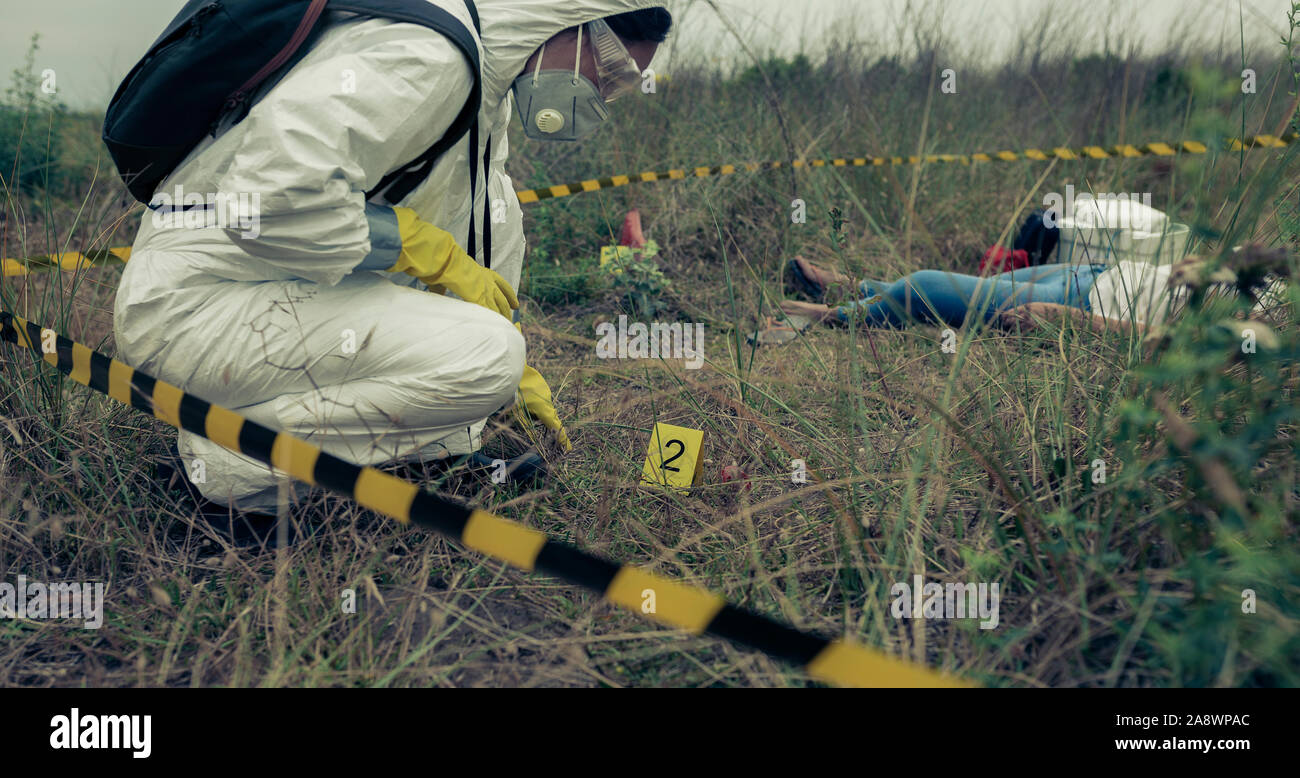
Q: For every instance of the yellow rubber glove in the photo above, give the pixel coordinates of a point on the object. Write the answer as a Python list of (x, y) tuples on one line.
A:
[(535, 398), (433, 256)]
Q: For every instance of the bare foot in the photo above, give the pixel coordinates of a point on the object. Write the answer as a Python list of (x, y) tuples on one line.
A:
[(815, 311), (821, 276)]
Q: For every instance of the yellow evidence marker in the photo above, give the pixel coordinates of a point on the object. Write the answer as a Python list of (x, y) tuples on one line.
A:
[(613, 258), (674, 457), (616, 255)]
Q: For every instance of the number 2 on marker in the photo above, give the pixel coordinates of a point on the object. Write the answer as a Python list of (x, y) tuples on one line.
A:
[(673, 457), (681, 449)]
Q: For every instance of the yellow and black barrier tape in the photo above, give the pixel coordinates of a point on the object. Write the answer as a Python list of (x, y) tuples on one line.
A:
[(1120, 151), (69, 260), (74, 260), (840, 662)]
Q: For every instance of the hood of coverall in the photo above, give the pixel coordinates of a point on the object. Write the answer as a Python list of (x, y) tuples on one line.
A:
[(514, 29)]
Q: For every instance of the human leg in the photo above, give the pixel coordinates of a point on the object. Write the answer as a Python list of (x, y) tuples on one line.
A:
[(935, 296), (369, 370)]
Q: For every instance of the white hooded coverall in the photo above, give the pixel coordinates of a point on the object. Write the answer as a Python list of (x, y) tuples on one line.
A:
[(264, 325)]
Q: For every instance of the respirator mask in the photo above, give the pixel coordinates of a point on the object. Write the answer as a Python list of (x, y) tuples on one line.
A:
[(559, 105)]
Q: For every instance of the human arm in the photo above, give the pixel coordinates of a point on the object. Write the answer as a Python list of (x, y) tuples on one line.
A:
[(1033, 315), (365, 104)]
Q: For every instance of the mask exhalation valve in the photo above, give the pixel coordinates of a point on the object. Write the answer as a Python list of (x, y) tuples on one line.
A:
[(550, 121)]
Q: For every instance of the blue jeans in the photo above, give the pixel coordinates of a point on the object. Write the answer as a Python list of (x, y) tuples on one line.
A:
[(936, 296)]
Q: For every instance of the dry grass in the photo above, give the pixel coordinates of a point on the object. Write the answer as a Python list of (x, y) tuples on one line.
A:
[(959, 467)]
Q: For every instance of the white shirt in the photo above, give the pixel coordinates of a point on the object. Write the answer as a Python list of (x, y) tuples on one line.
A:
[(1139, 291), (1136, 291)]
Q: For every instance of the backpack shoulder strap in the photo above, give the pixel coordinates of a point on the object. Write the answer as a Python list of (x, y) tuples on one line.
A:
[(399, 183)]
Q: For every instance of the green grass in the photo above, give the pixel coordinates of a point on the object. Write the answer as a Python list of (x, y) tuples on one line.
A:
[(973, 466)]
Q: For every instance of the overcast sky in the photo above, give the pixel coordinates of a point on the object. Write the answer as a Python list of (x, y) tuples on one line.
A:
[(91, 44)]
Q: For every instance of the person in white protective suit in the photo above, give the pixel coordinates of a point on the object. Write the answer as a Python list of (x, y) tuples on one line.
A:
[(364, 327)]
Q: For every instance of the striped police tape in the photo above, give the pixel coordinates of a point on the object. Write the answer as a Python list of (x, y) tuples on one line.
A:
[(70, 261), (73, 260), (1087, 152), (698, 611)]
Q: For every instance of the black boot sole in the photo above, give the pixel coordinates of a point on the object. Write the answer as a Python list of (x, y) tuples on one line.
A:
[(243, 529)]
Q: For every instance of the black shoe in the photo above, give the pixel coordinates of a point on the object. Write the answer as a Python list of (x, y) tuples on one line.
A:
[(244, 529), (803, 283), (169, 472), (528, 469)]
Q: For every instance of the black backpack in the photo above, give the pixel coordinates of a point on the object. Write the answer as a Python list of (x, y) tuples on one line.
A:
[(198, 77)]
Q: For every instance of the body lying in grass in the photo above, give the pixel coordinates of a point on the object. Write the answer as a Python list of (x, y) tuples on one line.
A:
[(1126, 296)]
